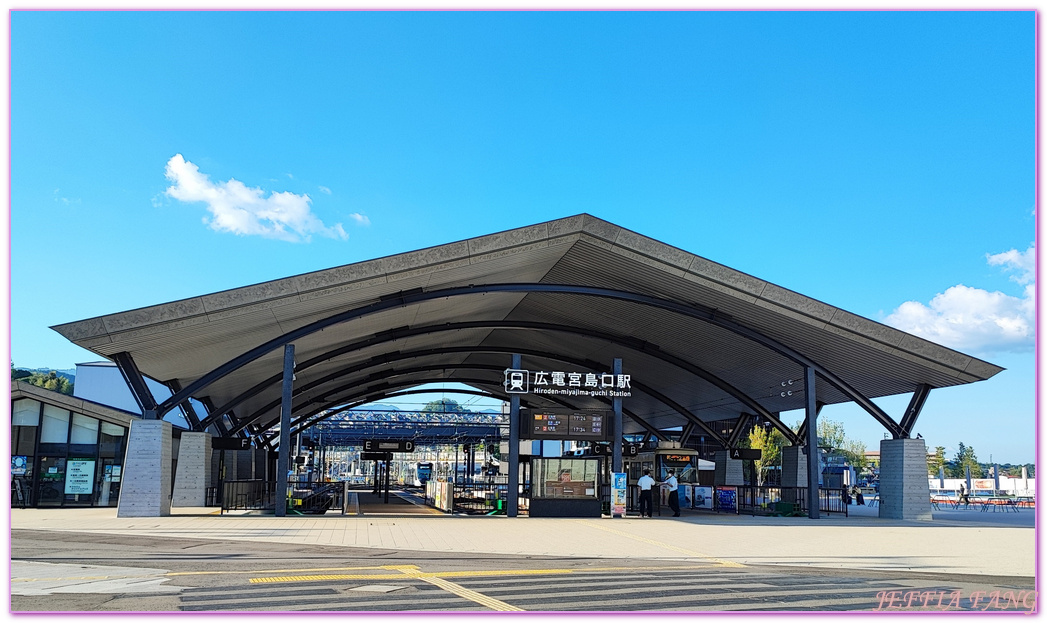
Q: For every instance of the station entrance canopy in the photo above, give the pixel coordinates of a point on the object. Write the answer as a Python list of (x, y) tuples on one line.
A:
[(701, 342)]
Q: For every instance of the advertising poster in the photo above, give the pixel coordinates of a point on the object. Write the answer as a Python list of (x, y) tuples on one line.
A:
[(684, 493), (727, 498), (79, 476), (618, 492), (703, 498), (18, 465)]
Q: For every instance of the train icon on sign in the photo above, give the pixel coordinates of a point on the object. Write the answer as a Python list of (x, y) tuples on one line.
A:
[(516, 381)]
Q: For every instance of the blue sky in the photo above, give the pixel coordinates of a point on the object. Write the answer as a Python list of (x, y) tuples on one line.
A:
[(882, 162)]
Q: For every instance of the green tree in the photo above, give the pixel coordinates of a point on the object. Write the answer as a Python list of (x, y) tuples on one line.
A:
[(769, 441), (831, 434), (937, 461), (854, 450), (444, 405), (965, 457), (51, 381)]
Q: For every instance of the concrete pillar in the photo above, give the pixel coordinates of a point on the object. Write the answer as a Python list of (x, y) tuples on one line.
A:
[(145, 488), (244, 464), (904, 491), (794, 472), (794, 467), (729, 472), (193, 474)]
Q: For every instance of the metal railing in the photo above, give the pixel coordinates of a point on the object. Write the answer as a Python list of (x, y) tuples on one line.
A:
[(303, 497), (247, 495), (481, 498), (316, 497), (784, 500)]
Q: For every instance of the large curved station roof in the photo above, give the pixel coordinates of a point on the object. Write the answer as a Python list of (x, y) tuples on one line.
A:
[(701, 341)]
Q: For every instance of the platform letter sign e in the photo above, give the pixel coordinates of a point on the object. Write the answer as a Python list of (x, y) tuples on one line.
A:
[(516, 381)]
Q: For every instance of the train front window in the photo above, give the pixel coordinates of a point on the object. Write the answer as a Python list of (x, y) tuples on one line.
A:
[(682, 464)]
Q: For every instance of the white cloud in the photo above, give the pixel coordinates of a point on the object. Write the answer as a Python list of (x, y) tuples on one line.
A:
[(975, 320), (64, 200), (1024, 263), (325, 190), (360, 218), (247, 211)]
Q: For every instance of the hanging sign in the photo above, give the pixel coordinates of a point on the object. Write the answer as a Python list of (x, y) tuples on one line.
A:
[(746, 454), (388, 445), (565, 424)]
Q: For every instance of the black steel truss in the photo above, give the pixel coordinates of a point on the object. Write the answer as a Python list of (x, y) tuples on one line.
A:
[(404, 298)]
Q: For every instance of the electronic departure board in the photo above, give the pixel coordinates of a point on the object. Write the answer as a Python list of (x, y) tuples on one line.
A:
[(566, 424)]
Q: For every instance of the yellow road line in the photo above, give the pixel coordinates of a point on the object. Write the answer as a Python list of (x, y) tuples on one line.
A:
[(458, 589), (720, 561)]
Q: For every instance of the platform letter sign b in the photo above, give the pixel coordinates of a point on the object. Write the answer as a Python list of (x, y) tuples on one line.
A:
[(516, 381)]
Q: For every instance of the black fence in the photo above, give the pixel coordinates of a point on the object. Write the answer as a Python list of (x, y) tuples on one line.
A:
[(302, 497), (483, 498), (247, 495), (781, 500), (316, 498)]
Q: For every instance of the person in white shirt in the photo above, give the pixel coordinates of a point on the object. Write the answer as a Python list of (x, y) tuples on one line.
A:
[(674, 495), (645, 483)]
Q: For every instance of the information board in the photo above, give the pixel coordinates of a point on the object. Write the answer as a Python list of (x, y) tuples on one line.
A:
[(79, 476), (566, 424), (618, 493)]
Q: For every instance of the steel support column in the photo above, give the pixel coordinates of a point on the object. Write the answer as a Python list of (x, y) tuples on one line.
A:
[(282, 462), (136, 382), (512, 493), (739, 425), (912, 412), (616, 436), (813, 462), (187, 407), (685, 434)]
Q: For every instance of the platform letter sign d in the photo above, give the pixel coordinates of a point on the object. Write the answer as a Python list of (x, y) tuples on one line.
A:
[(516, 381)]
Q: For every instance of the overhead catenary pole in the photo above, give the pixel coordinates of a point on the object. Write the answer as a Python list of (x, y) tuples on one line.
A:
[(512, 494), (285, 432), (813, 460)]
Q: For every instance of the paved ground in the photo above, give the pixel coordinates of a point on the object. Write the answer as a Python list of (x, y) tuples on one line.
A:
[(978, 544), (63, 571)]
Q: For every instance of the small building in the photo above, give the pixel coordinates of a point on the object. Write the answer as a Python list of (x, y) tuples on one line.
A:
[(65, 451)]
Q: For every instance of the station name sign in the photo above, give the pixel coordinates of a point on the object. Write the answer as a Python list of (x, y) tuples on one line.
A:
[(559, 383)]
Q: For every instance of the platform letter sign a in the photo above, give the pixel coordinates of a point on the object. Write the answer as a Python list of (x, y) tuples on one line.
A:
[(516, 381), (746, 454)]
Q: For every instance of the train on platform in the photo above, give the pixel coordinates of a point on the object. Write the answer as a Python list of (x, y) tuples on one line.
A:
[(689, 468)]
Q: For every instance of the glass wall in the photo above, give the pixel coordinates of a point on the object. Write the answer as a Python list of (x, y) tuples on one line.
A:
[(63, 458)]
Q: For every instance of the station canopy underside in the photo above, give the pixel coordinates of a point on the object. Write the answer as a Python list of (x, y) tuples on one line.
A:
[(702, 342)]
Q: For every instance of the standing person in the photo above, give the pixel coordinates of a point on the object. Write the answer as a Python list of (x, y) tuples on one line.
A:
[(645, 483), (860, 496), (674, 495)]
